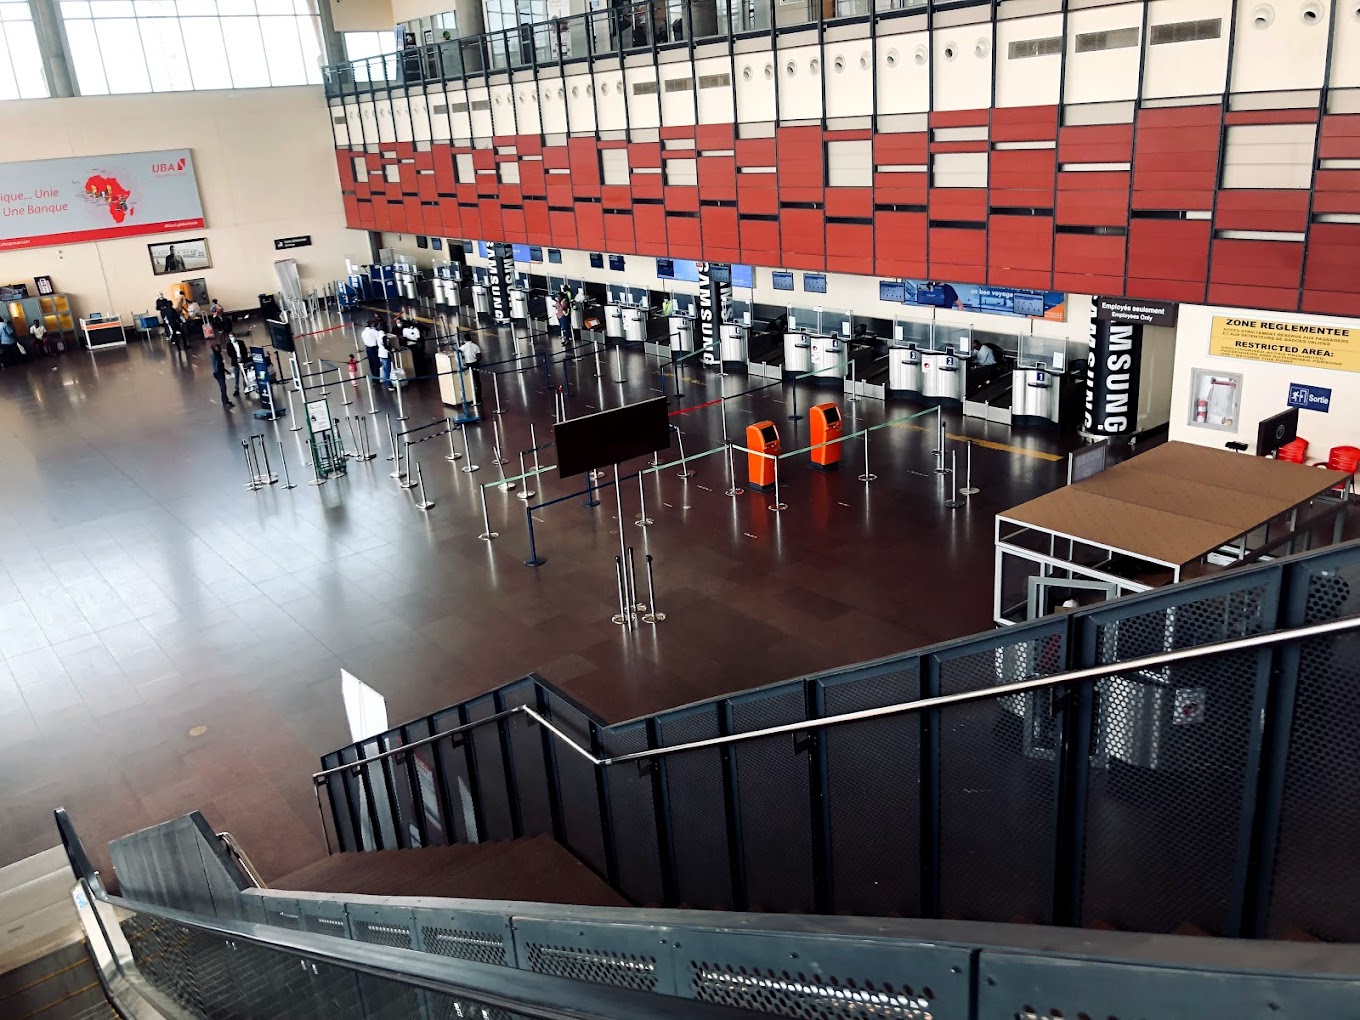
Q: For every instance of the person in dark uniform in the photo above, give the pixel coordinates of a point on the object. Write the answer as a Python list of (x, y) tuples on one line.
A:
[(219, 372)]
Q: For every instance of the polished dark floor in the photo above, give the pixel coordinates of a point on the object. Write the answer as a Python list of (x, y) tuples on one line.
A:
[(145, 592)]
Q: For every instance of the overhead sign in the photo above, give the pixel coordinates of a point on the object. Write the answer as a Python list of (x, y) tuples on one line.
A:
[(1286, 343), (1137, 311), (972, 297), (66, 201), (1310, 398), (284, 243)]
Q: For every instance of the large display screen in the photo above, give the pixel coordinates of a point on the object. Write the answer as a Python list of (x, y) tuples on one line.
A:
[(611, 437), (781, 281), (65, 201), (814, 283)]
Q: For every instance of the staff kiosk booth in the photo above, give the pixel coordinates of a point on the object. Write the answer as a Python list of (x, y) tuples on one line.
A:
[(762, 437), (827, 427)]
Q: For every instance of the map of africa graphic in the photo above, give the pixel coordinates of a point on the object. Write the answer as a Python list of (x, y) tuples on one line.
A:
[(112, 194)]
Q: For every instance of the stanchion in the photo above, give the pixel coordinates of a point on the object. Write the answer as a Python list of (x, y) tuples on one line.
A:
[(497, 443), (366, 449), (633, 603), (391, 439), (533, 442), (368, 381), (643, 520), (526, 492), (597, 359), (410, 480), (283, 459), (297, 425), (590, 500), (854, 385), (655, 616), (269, 477), (732, 488), (496, 385), (941, 441), (534, 559), (344, 393), (505, 485), (777, 505), (621, 617), (340, 440), (453, 453), (401, 411), (684, 472), (969, 489), (424, 504), (252, 482), (487, 534), (469, 467), (868, 475), (618, 368), (317, 480), (954, 503), (793, 389)]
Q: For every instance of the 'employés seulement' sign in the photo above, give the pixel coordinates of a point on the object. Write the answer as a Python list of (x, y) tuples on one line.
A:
[(1286, 343)]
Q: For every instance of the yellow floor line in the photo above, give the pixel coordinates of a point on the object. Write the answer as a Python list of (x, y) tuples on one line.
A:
[(988, 444)]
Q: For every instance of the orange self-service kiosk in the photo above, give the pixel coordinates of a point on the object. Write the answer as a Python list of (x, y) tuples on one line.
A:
[(764, 438), (827, 426)]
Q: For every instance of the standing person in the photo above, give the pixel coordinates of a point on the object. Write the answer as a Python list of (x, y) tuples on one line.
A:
[(38, 332), (564, 314), (471, 355), (385, 357), (219, 372), (174, 322), (164, 305), (240, 361), (372, 338), (9, 343), (214, 308), (353, 372)]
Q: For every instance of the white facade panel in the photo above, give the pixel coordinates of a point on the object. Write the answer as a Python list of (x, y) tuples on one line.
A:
[(903, 73), (1278, 48), (1028, 80), (849, 70), (1196, 68)]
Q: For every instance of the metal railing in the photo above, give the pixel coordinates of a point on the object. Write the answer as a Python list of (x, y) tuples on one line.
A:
[(1173, 738)]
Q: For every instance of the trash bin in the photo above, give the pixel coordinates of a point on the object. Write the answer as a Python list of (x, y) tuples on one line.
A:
[(762, 437), (827, 426)]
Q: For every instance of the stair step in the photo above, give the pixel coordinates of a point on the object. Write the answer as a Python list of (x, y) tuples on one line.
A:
[(60, 986), (537, 869), (29, 898), (22, 872)]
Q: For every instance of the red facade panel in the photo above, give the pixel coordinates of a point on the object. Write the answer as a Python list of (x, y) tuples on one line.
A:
[(959, 118), (682, 235), (1019, 243), (1096, 199), (1331, 262), (612, 196), (718, 225), (900, 188), (1175, 162), (1023, 177), (1024, 124), (850, 203), (1088, 263), (1284, 299), (618, 233), (512, 223), (682, 198), (584, 164), (590, 225), (537, 225), (801, 163), (715, 136), (958, 204), (648, 185), (649, 225), (756, 193), (957, 254), (1257, 263), (900, 244), (1243, 209), (759, 241), (563, 229), (718, 178), (850, 247), (492, 228), (1340, 137), (907, 149), (1337, 191)]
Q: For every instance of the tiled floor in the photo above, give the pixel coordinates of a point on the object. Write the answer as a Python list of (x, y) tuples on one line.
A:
[(144, 591)]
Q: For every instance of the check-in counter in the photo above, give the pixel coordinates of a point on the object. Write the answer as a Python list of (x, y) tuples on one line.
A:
[(1036, 394), (481, 299), (942, 377), (613, 322), (634, 324), (519, 304), (827, 359), (797, 352), (904, 372), (733, 346), (453, 390), (682, 333)]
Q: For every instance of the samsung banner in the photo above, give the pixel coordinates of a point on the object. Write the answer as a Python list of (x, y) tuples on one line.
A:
[(65, 201), (1113, 365)]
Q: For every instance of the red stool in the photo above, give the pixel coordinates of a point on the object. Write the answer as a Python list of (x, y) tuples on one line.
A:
[(1294, 452), (1344, 458)]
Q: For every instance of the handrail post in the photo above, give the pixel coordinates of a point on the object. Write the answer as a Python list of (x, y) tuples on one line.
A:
[(928, 670)]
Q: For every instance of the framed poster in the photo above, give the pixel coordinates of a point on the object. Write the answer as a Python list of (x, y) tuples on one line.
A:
[(180, 256)]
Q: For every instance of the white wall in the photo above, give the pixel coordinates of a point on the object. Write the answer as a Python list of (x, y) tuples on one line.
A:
[(252, 192), (363, 15), (1265, 385)]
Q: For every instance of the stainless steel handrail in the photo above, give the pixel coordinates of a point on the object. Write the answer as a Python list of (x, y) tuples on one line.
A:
[(236, 850), (923, 704)]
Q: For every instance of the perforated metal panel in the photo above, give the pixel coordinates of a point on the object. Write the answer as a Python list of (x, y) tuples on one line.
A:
[(491, 790), (526, 756), (1165, 815), (452, 754), (873, 793), (633, 807), (998, 782), (694, 790), (283, 916), (1315, 893), (620, 970), (464, 944), (324, 917), (381, 934), (583, 831), (600, 953), (773, 795)]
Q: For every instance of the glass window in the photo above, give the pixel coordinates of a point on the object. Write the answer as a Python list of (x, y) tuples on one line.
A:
[(21, 68), (178, 45)]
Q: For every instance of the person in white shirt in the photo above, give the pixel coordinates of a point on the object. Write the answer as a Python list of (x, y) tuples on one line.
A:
[(372, 338), (38, 332), (411, 333), (471, 354), (193, 310), (385, 356)]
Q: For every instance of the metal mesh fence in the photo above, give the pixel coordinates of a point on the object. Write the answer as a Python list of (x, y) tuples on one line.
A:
[(579, 792), (526, 757), (632, 806), (1315, 893), (492, 792), (694, 791)]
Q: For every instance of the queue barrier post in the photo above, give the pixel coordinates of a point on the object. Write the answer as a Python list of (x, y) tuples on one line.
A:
[(424, 504), (777, 506), (621, 617), (453, 453), (868, 475), (732, 488), (969, 489), (469, 467), (643, 520), (684, 472), (534, 560), (297, 425), (283, 459), (410, 480), (633, 604), (955, 502), (252, 476), (487, 534), (655, 616), (525, 493)]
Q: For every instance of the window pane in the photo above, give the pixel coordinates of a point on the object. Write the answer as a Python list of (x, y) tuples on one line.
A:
[(75, 9), (156, 8), (242, 7), (209, 57), (86, 58), (312, 60), (197, 8), (111, 8), (9, 86), (27, 60), (124, 64), (283, 51), (249, 68), (165, 56), (274, 7)]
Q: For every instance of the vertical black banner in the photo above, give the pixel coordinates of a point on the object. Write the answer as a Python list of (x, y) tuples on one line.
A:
[(502, 275), (715, 298), (1113, 362)]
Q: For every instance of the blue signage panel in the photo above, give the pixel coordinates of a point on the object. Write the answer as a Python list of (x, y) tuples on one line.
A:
[(1310, 398), (596, 260), (520, 252), (743, 276), (616, 263), (972, 297), (814, 283), (782, 281), (665, 269)]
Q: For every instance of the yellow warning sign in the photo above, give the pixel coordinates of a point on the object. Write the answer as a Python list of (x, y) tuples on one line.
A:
[(1286, 343)]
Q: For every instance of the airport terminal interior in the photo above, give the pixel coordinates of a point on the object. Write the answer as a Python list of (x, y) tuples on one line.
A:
[(815, 508)]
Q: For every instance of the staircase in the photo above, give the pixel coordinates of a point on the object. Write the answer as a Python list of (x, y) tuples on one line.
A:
[(538, 869)]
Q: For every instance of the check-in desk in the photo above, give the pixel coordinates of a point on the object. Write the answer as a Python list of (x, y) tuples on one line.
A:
[(827, 360), (613, 322), (681, 329), (634, 324), (453, 388), (942, 377), (904, 372), (732, 347), (481, 299), (797, 353), (519, 304)]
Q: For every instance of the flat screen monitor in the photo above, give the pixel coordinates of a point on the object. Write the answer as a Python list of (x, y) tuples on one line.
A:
[(782, 281), (611, 437), (665, 269), (280, 335), (720, 272), (535, 253), (555, 256), (1028, 304), (596, 260), (814, 283), (1277, 430), (616, 263), (892, 290)]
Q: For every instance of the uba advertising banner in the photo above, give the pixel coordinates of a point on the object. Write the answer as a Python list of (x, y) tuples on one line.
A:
[(972, 297), (66, 201)]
